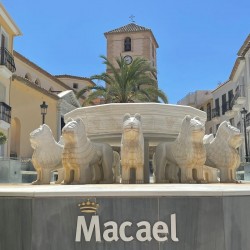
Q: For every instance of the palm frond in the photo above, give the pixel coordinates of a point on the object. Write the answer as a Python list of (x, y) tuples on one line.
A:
[(126, 83)]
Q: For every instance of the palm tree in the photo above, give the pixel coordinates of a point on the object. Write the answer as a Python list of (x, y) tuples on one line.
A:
[(125, 84)]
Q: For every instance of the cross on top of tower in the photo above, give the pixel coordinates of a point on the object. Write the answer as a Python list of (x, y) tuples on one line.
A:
[(132, 18)]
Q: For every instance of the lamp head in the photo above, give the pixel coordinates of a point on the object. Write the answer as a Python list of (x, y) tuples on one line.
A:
[(43, 107)]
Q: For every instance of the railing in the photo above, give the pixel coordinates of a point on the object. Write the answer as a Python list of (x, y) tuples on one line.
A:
[(227, 106), (7, 59), (239, 92), (233, 102), (5, 112), (216, 112)]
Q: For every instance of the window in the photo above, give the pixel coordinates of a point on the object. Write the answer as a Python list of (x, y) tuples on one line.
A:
[(28, 76), (209, 111), (75, 85), (230, 98), (37, 82), (4, 39), (127, 44), (217, 103), (224, 103), (217, 106)]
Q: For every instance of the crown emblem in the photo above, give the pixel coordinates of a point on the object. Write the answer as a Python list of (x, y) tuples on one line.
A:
[(88, 207)]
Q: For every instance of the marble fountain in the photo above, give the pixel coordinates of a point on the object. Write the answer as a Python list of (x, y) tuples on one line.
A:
[(186, 207)]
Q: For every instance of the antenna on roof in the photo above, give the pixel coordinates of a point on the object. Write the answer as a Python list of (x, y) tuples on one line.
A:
[(132, 18)]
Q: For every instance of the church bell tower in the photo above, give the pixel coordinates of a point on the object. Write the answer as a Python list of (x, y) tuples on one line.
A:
[(131, 41)]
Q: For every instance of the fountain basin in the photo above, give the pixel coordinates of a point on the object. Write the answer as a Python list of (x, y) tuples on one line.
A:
[(159, 121)]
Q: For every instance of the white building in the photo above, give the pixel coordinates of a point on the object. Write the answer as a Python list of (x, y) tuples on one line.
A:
[(200, 99), (8, 31), (228, 100)]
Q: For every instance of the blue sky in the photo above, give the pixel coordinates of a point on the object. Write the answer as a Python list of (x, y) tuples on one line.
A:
[(198, 40)]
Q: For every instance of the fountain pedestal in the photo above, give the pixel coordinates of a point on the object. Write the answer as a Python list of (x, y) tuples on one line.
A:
[(166, 216)]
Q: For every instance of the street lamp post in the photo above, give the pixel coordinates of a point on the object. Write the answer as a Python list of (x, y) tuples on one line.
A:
[(244, 112), (43, 107)]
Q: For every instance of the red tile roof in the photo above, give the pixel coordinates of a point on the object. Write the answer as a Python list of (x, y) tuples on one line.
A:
[(75, 77), (131, 27)]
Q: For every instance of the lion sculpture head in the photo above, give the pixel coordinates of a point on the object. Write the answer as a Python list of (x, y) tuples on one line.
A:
[(132, 128), (41, 136), (72, 130), (192, 128), (47, 153), (229, 133)]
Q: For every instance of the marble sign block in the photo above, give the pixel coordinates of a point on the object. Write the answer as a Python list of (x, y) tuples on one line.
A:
[(174, 222)]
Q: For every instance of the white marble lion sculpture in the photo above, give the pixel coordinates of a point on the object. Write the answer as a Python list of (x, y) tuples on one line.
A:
[(83, 161), (187, 154), (47, 154), (132, 148), (222, 151)]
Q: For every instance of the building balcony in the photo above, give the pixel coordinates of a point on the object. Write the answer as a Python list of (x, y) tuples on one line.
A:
[(237, 107), (7, 64), (227, 109), (5, 115), (240, 96), (216, 115)]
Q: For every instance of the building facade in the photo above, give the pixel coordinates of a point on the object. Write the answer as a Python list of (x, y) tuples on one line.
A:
[(31, 86), (76, 83), (200, 99), (8, 31), (24, 86), (230, 101)]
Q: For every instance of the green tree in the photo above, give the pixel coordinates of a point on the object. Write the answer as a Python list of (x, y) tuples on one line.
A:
[(125, 84)]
